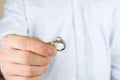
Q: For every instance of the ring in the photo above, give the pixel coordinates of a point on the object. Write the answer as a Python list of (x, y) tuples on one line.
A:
[(60, 41), (59, 44)]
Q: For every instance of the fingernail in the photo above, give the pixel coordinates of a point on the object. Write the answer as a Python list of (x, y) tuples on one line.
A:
[(52, 51)]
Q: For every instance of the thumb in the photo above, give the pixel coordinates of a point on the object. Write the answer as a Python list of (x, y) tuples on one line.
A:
[(51, 50)]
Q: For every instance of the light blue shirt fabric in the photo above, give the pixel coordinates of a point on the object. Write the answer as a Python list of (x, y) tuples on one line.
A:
[(90, 28)]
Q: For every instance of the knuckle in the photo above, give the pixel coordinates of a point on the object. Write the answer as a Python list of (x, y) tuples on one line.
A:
[(5, 39), (45, 62), (22, 42), (26, 56), (44, 70), (9, 36), (49, 60), (14, 41), (29, 71)]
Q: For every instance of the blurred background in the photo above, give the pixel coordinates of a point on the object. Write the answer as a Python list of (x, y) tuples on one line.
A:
[(3, 1), (1, 7)]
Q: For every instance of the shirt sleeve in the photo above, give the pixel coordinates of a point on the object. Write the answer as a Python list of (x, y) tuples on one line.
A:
[(115, 46), (14, 20)]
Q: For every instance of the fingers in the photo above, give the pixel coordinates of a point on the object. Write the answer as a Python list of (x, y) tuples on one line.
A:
[(25, 57), (28, 43), (11, 69)]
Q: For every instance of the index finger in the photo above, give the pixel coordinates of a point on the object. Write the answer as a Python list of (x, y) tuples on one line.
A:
[(27, 43)]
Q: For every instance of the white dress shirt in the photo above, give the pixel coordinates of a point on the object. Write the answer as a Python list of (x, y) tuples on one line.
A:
[(90, 28)]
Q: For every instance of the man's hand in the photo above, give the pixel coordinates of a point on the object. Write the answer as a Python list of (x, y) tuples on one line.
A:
[(24, 58)]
